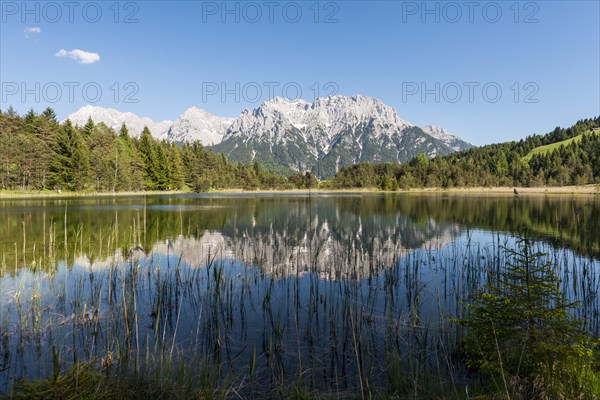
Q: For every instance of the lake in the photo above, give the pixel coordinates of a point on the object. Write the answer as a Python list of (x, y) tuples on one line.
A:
[(340, 293)]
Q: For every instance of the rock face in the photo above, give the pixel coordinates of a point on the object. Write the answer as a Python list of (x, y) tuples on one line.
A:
[(198, 125), (454, 142), (114, 119), (321, 137), (330, 133)]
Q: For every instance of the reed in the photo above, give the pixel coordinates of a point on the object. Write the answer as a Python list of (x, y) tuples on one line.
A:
[(146, 324)]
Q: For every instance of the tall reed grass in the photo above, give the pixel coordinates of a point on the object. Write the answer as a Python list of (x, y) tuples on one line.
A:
[(255, 317)]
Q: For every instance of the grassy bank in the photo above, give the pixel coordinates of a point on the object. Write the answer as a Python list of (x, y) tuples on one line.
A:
[(508, 190), (50, 194), (555, 146), (504, 190)]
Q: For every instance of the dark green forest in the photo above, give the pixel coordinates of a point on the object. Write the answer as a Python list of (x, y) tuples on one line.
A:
[(39, 153), (503, 164)]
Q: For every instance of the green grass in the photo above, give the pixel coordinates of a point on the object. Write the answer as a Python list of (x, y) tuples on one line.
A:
[(553, 146), (46, 193), (87, 381)]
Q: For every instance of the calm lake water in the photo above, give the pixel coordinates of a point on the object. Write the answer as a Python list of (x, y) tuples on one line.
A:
[(264, 290)]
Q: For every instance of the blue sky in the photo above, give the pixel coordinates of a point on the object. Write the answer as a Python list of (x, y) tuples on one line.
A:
[(486, 71)]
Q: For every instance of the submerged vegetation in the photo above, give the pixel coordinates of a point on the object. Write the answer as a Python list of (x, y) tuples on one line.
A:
[(353, 297)]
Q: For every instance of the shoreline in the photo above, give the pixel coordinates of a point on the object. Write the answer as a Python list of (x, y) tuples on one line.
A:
[(503, 190)]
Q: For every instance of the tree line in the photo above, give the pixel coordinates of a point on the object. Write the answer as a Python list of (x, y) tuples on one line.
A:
[(503, 164), (39, 153)]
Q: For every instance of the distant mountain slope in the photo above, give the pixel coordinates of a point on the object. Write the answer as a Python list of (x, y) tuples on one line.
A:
[(454, 142)]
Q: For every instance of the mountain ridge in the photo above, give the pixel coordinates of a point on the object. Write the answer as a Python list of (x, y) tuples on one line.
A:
[(330, 133), (321, 136), (114, 118)]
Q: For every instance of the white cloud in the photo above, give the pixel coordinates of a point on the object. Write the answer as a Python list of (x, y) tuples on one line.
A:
[(32, 30), (82, 57)]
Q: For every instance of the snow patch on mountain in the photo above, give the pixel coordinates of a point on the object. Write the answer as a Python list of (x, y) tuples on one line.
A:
[(331, 132), (198, 125), (114, 119), (323, 135), (266, 121), (320, 121)]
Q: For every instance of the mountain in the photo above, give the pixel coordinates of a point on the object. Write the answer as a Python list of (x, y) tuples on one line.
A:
[(114, 119), (332, 132), (193, 125), (454, 142), (196, 124), (321, 137)]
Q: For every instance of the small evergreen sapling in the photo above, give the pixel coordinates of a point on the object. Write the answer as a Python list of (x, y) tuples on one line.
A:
[(520, 329)]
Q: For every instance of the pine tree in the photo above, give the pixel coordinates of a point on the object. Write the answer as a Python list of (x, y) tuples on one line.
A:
[(50, 115), (124, 133), (69, 167), (520, 326), (162, 178), (310, 181), (148, 155), (176, 167), (11, 112), (30, 117), (88, 129), (103, 154)]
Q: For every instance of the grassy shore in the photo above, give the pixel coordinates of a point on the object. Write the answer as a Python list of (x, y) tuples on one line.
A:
[(502, 190), (583, 189), (17, 194)]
